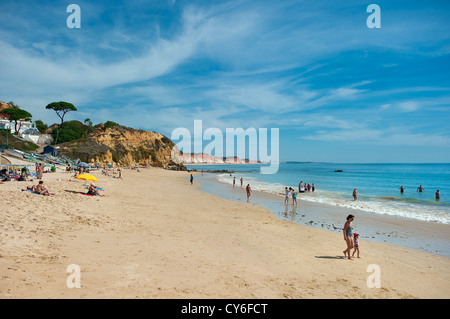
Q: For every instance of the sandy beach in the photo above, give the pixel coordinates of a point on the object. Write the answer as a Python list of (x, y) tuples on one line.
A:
[(153, 235)]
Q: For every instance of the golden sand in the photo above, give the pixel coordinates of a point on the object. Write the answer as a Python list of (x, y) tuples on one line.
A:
[(153, 235)]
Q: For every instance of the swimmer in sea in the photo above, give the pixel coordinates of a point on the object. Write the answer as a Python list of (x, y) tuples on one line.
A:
[(438, 196), (402, 189), (420, 189)]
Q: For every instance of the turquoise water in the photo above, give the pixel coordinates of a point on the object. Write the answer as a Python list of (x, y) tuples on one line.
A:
[(377, 185)]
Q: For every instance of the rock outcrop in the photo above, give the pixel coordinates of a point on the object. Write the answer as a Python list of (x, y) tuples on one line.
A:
[(123, 146)]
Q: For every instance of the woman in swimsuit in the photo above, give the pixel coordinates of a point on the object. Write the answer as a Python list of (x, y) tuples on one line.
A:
[(348, 235), (92, 190)]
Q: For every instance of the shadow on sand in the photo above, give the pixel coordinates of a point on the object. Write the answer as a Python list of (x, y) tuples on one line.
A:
[(74, 192), (330, 257)]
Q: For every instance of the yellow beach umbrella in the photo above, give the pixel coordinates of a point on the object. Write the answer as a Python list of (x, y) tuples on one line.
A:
[(87, 177)]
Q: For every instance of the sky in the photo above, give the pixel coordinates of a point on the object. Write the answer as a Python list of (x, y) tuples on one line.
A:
[(337, 90)]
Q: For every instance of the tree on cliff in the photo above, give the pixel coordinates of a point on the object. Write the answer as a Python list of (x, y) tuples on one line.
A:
[(17, 116), (61, 108)]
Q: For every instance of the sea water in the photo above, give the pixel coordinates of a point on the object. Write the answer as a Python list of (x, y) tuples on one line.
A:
[(377, 185)]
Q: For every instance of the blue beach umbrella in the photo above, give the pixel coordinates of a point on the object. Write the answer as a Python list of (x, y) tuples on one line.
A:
[(83, 164)]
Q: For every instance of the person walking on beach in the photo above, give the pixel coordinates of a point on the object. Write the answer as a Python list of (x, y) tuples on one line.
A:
[(286, 199), (438, 196), (249, 192), (356, 244), (192, 179), (234, 181), (242, 181), (355, 194), (420, 189), (300, 186), (348, 235), (294, 196)]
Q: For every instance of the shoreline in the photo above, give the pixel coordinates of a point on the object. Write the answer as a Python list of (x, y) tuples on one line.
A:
[(431, 237), (138, 241)]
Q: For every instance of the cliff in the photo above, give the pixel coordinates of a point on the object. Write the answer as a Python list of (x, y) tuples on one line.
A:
[(124, 146)]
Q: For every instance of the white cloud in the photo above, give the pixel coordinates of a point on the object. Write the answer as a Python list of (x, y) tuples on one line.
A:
[(408, 106)]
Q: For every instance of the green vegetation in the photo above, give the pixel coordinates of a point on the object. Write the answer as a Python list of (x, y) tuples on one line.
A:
[(41, 126), (16, 143), (17, 115), (61, 109), (69, 131), (109, 124)]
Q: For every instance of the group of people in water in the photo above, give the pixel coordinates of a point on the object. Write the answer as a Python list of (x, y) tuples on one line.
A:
[(420, 189), (248, 189)]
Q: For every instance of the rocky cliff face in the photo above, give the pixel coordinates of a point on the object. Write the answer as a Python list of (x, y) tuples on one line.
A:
[(123, 146)]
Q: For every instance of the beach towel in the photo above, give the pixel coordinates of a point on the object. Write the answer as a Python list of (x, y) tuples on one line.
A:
[(86, 194), (29, 190)]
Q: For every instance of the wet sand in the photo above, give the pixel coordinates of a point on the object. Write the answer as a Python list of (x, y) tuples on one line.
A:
[(421, 235)]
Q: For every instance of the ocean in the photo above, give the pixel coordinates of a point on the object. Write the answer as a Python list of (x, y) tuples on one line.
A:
[(377, 186)]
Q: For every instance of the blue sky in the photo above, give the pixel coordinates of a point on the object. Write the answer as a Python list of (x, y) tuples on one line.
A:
[(337, 90)]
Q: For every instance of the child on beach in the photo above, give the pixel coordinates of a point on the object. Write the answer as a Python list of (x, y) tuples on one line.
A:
[(355, 244)]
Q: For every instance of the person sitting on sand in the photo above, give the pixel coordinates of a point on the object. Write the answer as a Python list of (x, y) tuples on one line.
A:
[(93, 191), (39, 189)]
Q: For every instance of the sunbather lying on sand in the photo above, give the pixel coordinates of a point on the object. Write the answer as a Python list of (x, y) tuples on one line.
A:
[(39, 189)]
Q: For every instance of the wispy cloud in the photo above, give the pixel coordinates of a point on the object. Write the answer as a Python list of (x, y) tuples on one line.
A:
[(310, 68)]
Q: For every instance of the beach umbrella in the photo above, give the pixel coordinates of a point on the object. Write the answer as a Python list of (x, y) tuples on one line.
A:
[(83, 164), (87, 177)]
